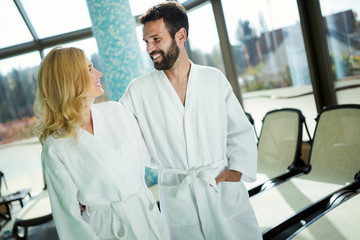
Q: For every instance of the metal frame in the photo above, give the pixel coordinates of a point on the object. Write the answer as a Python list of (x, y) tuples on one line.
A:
[(317, 52), (310, 213), (41, 44), (226, 50)]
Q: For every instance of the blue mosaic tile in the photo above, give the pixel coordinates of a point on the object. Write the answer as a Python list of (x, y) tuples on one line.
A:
[(114, 29)]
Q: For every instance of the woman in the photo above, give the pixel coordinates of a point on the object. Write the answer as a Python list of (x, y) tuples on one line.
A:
[(92, 155)]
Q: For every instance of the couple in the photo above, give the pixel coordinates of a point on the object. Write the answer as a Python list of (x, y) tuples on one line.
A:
[(195, 133)]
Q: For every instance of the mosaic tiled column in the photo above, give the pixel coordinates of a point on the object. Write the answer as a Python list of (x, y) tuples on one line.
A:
[(114, 29)]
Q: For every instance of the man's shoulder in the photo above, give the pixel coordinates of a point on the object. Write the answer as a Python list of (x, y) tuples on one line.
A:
[(109, 107), (143, 79), (209, 76), (208, 70), (112, 113)]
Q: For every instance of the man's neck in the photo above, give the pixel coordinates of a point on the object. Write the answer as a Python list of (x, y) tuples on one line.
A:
[(178, 76), (180, 71)]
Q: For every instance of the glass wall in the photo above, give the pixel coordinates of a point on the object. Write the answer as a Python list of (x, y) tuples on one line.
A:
[(270, 57), (203, 38), (17, 94), (342, 27), (21, 165), (20, 150), (16, 32), (18, 77), (60, 17)]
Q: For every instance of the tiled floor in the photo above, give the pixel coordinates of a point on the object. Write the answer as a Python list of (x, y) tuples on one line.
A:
[(45, 231), (20, 163)]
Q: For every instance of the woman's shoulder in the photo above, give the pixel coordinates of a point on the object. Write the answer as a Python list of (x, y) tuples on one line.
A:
[(52, 147), (52, 143), (106, 104)]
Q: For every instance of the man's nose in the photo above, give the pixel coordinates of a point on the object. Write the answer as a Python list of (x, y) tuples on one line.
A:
[(150, 47)]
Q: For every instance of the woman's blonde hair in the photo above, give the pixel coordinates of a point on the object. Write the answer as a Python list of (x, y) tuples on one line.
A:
[(63, 82)]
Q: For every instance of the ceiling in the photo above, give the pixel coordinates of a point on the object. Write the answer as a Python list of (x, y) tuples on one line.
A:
[(30, 25)]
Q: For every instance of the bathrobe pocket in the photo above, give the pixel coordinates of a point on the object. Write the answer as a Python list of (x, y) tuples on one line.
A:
[(106, 224), (180, 212), (153, 208), (234, 199)]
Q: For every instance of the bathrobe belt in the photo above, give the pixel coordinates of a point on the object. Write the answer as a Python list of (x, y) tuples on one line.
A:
[(120, 211), (194, 175)]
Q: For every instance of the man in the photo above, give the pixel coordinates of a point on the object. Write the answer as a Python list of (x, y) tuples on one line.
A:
[(197, 133)]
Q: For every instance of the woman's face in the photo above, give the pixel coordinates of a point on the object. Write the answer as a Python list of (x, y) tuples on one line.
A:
[(95, 89)]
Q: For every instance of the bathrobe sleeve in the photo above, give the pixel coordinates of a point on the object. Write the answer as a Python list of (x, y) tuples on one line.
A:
[(241, 139), (129, 103), (127, 100), (63, 198)]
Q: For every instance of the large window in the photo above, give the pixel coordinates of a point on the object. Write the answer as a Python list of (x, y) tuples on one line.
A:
[(342, 27), (20, 149), (59, 17), (12, 28), (203, 37), (18, 78), (18, 82), (270, 57), (17, 94)]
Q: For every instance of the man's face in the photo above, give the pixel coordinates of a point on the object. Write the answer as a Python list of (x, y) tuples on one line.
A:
[(162, 48)]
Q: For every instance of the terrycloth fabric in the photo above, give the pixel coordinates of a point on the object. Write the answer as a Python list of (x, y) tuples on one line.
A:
[(105, 172), (191, 145)]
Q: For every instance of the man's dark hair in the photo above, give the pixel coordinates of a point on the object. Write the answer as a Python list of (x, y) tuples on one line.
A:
[(173, 14)]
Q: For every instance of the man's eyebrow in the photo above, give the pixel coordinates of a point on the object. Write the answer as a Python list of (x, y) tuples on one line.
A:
[(152, 36)]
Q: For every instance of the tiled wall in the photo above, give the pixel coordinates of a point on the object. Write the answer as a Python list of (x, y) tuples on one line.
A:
[(114, 30)]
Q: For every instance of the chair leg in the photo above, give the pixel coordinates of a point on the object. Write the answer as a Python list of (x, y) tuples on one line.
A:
[(25, 233), (16, 235)]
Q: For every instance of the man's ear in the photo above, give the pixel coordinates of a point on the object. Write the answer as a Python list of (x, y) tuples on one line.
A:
[(180, 36)]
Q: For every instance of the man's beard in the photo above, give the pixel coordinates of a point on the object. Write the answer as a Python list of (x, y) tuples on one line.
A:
[(169, 58)]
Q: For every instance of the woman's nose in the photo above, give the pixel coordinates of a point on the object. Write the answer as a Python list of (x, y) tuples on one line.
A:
[(99, 73)]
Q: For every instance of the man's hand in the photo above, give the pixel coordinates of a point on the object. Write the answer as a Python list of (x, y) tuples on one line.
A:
[(229, 176)]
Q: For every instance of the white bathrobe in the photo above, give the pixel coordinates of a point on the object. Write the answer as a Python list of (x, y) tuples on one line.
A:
[(191, 145), (105, 172)]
